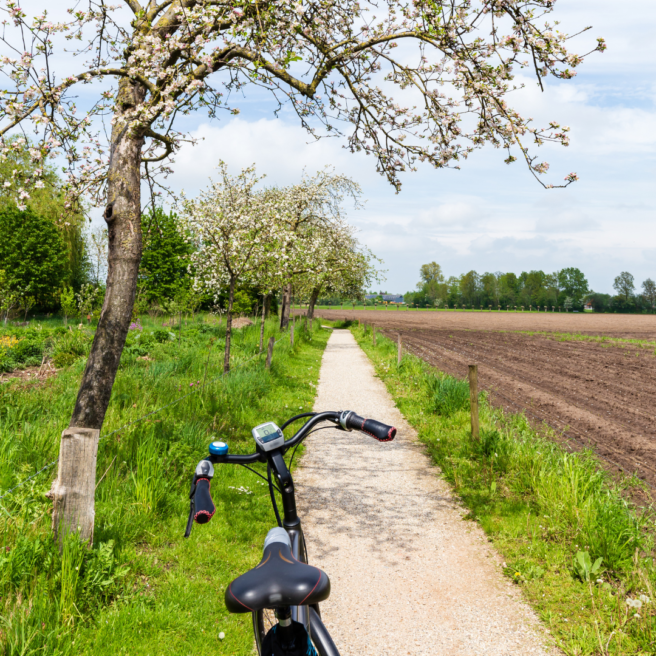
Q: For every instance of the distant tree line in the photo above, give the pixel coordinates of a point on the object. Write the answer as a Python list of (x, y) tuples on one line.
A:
[(567, 289)]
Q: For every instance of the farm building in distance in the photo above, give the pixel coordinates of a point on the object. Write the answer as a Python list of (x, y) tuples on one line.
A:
[(390, 298)]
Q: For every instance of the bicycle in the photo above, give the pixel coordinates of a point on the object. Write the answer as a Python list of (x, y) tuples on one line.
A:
[(283, 591)]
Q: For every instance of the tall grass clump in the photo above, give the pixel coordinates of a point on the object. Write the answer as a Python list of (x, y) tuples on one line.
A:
[(570, 535), (448, 395), (93, 598)]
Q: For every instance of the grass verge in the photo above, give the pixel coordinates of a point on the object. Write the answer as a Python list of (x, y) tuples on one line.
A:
[(142, 588), (582, 554)]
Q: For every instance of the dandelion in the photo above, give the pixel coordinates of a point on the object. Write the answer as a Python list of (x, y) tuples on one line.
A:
[(221, 635), (644, 599), (634, 603)]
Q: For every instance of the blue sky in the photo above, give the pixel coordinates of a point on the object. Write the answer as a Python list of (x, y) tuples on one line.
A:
[(489, 216)]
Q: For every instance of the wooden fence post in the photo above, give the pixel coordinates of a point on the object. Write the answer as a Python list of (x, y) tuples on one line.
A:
[(400, 353), (272, 341), (374, 335), (473, 399), (291, 335)]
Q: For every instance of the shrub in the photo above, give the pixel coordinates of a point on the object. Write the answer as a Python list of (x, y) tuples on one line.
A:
[(7, 362), (28, 352), (161, 336), (73, 345)]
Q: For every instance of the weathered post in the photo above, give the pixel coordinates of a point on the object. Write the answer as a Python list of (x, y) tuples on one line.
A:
[(473, 399), (272, 341), (400, 353), (374, 328), (291, 335)]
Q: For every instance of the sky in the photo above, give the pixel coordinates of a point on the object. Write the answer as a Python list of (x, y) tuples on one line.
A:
[(489, 216)]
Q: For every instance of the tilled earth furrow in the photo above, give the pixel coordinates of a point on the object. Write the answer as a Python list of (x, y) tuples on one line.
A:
[(594, 394)]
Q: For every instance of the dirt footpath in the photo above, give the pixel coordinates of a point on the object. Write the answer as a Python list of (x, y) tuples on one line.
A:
[(408, 574)]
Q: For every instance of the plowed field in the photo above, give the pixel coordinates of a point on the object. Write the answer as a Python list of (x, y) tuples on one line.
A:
[(596, 393)]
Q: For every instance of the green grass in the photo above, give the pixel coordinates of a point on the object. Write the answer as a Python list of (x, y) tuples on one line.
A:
[(606, 340), (143, 589), (551, 513)]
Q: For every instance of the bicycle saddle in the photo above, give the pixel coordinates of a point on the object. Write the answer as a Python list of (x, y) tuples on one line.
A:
[(279, 580)]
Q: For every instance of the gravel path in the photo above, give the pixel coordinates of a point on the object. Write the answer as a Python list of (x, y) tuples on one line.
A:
[(408, 574)]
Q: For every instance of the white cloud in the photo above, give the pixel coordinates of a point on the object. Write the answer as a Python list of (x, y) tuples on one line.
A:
[(279, 149)]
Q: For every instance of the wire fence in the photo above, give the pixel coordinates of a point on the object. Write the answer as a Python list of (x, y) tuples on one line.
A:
[(140, 419)]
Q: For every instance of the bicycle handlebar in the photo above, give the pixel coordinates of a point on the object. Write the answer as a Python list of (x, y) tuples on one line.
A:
[(376, 429), (202, 507)]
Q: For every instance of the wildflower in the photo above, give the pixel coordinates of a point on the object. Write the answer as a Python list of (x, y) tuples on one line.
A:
[(221, 635), (644, 599), (633, 603)]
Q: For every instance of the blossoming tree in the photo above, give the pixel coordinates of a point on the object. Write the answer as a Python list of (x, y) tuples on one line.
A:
[(415, 80), (347, 269), (315, 222), (233, 228)]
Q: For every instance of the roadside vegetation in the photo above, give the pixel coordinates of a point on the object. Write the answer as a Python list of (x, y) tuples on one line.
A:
[(141, 588), (582, 553)]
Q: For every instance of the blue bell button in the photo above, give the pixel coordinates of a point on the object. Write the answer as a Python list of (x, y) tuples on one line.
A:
[(218, 448)]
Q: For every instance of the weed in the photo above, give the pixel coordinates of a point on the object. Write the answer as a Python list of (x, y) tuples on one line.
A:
[(583, 568)]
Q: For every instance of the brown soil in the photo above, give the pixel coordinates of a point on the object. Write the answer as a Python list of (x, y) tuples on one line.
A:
[(31, 373), (594, 394), (241, 322)]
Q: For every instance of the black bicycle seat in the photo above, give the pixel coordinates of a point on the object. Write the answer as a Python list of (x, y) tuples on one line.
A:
[(279, 580)]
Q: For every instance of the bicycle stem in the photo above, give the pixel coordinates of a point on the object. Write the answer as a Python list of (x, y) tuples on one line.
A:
[(286, 485)]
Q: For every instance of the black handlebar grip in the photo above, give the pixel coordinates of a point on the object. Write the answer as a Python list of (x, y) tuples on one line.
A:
[(203, 504), (376, 429)]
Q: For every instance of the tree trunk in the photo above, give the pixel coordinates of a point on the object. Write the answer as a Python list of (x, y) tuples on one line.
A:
[(75, 484), (286, 306), (267, 306), (231, 298), (264, 308), (313, 300), (72, 491)]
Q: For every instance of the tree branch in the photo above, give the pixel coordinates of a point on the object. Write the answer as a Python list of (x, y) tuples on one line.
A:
[(162, 138), (135, 6)]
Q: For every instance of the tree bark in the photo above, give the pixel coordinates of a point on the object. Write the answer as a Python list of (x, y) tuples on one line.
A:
[(73, 490), (313, 300), (75, 484), (231, 298), (286, 306)]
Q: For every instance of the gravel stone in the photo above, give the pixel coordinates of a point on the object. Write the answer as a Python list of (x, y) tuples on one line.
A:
[(409, 575)]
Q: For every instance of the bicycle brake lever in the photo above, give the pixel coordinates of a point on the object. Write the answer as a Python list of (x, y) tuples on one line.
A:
[(190, 520), (192, 508)]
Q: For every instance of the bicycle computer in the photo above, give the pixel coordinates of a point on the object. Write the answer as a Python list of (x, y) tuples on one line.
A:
[(268, 436)]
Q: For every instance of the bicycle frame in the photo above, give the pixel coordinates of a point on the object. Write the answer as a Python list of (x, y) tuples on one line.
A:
[(310, 617)]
